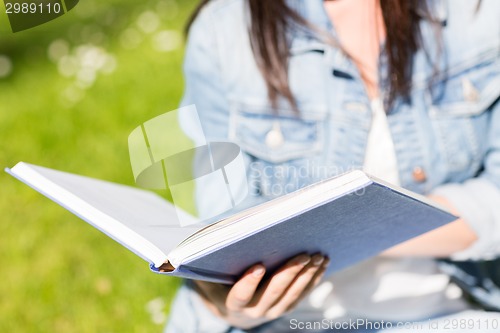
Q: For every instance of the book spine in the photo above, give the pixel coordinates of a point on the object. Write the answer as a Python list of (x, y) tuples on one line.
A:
[(185, 272)]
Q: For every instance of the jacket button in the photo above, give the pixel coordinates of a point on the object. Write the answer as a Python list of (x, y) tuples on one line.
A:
[(274, 138), (419, 174)]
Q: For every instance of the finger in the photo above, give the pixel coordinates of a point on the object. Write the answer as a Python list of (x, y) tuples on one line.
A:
[(317, 278), (244, 289), (314, 282), (298, 287), (279, 283)]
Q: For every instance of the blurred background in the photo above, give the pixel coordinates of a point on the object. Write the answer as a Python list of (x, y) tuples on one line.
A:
[(71, 91)]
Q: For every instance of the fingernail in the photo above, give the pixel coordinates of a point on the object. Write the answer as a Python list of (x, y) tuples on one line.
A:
[(317, 260), (302, 260), (258, 271), (326, 262)]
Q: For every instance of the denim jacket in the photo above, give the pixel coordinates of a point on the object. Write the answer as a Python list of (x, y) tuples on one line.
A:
[(446, 136)]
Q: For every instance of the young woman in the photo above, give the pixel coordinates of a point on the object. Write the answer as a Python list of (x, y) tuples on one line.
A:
[(407, 90)]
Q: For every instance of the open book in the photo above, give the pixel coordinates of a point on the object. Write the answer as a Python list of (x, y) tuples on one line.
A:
[(350, 218)]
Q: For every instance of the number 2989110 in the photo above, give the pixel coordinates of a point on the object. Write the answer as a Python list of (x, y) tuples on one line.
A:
[(32, 8)]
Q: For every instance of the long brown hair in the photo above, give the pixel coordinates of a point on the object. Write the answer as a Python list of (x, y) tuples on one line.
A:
[(271, 19)]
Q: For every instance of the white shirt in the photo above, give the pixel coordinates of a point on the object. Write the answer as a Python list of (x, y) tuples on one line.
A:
[(380, 157)]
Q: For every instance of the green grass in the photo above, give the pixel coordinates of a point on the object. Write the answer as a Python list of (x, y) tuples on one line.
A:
[(57, 273)]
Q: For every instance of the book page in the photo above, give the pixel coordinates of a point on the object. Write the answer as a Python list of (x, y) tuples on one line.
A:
[(110, 207)]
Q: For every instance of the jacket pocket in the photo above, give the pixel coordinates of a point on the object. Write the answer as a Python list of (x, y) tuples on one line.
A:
[(278, 135), (469, 91), (459, 113)]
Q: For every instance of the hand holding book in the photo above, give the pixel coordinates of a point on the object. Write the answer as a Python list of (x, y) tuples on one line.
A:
[(253, 300)]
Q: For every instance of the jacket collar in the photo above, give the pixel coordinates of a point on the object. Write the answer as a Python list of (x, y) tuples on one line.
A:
[(314, 11)]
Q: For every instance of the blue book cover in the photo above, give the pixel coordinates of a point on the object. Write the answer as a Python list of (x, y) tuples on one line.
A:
[(349, 218), (348, 229)]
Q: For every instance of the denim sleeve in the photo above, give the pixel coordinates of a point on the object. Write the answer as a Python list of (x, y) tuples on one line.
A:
[(204, 85), (205, 88), (190, 315), (477, 200)]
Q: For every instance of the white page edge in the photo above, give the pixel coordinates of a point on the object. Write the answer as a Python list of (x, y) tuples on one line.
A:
[(109, 226)]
